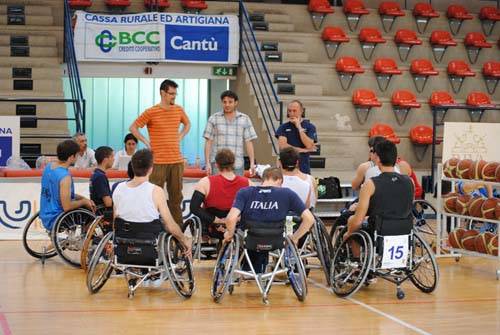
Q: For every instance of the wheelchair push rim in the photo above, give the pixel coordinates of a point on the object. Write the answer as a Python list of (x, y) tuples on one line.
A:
[(425, 272), (178, 266), (100, 266), (295, 270), (193, 224), (323, 248), (36, 239), (69, 232), (95, 234), (421, 210), (348, 273), (224, 267)]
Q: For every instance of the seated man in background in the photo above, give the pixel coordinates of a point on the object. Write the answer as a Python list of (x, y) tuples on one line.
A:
[(214, 195), (268, 202), (99, 190), (294, 179), (85, 158), (57, 189)]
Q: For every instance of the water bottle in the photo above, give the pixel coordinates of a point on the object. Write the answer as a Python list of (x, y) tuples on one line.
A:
[(289, 225)]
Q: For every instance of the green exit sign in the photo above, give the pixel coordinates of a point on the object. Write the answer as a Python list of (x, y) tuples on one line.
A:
[(224, 71)]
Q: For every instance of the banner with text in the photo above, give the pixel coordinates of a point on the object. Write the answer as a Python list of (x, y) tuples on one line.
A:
[(9, 138), (157, 37)]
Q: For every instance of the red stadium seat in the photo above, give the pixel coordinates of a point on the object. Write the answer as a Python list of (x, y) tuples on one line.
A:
[(384, 69), (347, 68), (491, 74), (333, 37), (440, 102), (457, 71), (389, 11), (405, 39), (423, 13), (369, 38), (402, 102), (384, 130), (319, 9), (353, 10), (121, 4), (456, 16), (421, 69), (440, 40), (489, 15), (156, 4), (80, 4), (479, 102), (363, 101), (474, 42), (193, 6), (421, 137)]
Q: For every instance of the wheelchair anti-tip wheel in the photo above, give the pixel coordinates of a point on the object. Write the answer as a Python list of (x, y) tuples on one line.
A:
[(68, 234), (178, 266), (224, 267), (100, 266), (425, 272), (349, 271), (295, 270), (36, 239)]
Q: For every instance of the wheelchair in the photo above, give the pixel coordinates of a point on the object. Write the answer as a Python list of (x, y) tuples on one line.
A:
[(140, 251), (192, 227), (66, 238), (233, 258), (424, 213), (391, 249), (96, 231)]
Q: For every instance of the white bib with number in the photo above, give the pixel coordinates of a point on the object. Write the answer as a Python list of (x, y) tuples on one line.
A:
[(395, 252)]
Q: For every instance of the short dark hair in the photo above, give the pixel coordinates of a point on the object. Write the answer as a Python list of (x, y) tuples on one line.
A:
[(372, 141), (168, 83), (142, 161), (387, 152), (225, 159), (130, 170), (66, 149), (289, 158), (272, 173), (103, 152), (129, 137), (229, 94)]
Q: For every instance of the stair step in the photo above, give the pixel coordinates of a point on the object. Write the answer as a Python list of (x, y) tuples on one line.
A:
[(290, 46), (30, 10), (273, 56), (28, 61), (40, 85), (277, 18), (32, 40), (30, 20), (269, 46), (31, 94), (295, 57), (285, 88), (36, 73), (30, 51), (308, 90), (43, 109), (262, 26), (257, 17), (282, 27), (282, 78)]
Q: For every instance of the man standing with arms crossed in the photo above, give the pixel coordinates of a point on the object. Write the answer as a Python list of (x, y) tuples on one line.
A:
[(229, 129), (163, 121)]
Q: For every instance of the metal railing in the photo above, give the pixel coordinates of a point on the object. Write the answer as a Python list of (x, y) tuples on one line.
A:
[(270, 106)]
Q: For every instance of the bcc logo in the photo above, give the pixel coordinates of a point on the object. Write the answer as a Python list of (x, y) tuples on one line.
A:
[(106, 41)]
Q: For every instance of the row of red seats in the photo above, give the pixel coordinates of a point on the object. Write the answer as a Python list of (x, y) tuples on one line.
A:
[(419, 134), (422, 11), (162, 4)]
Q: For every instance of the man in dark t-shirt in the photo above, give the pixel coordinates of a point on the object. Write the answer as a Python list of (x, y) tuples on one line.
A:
[(100, 192), (267, 203)]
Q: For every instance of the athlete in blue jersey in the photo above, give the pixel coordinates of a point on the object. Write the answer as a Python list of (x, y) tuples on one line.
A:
[(58, 192)]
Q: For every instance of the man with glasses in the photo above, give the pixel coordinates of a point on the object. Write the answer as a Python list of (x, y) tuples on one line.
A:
[(163, 121)]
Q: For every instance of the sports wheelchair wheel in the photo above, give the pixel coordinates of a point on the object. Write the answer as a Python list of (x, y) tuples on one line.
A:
[(178, 266), (94, 235), (323, 246), (295, 270), (192, 227), (100, 266), (68, 234), (423, 212), (36, 239), (348, 273), (227, 261), (425, 272)]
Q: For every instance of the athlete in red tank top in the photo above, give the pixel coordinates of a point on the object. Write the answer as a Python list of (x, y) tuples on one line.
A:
[(223, 191), (413, 176)]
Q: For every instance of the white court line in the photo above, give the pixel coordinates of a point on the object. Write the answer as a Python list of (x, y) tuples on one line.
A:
[(375, 310)]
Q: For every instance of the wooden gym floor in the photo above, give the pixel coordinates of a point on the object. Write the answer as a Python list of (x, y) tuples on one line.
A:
[(53, 299)]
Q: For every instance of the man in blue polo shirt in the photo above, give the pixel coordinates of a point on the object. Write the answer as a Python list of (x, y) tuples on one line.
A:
[(268, 202), (298, 133)]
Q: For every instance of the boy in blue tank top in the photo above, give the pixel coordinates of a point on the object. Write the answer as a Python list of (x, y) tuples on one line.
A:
[(57, 191)]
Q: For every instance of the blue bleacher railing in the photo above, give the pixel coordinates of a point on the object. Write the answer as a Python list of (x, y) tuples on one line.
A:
[(270, 106)]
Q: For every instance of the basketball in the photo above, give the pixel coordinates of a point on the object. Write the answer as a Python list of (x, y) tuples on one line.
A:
[(465, 169), (455, 238), (478, 169), (497, 174), (493, 246), (489, 171), (475, 207), (450, 202), (449, 167), (488, 208), (481, 242), (468, 240), (461, 204)]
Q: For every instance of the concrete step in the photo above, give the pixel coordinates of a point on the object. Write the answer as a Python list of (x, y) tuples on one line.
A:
[(36, 73), (5, 51), (29, 61), (281, 27), (40, 85), (277, 18), (31, 94), (295, 57), (32, 20), (43, 109), (38, 30), (33, 40), (29, 9)]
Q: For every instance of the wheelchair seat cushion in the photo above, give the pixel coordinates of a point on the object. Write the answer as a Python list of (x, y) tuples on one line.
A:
[(264, 236)]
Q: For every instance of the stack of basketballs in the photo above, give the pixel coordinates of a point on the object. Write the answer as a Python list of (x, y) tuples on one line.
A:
[(469, 169), (486, 243)]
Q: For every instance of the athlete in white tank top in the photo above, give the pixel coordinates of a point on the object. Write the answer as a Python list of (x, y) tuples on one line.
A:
[(135, 204), (299, 186), (374, 171)]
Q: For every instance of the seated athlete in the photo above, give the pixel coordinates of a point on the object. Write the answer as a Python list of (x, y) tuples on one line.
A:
[(99, 190), (299, 182), (214, 195), (138, 200), (268, 202), (57, 189), (388, 195)]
